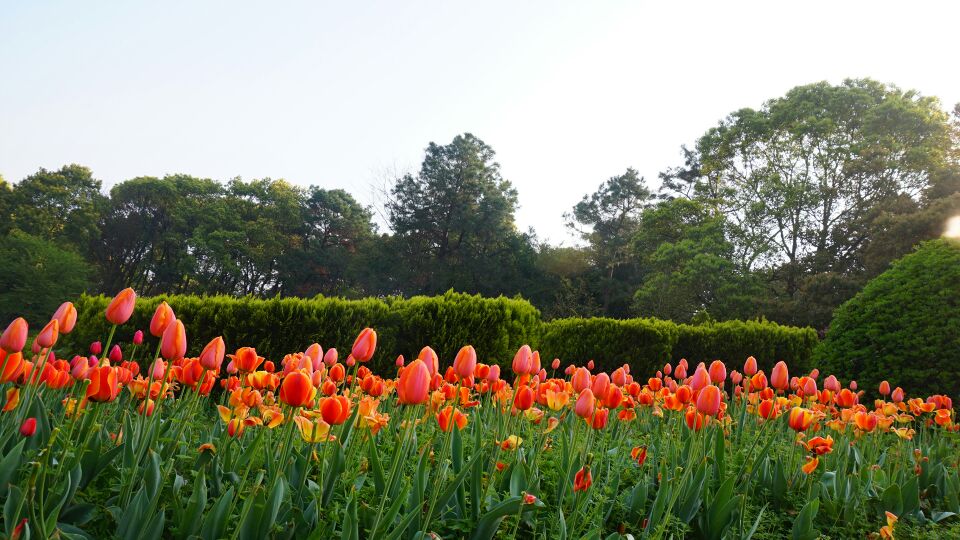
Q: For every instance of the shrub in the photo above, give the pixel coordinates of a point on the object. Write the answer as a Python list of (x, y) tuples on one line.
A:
[(904, 326), (647, 344), (496, 327)]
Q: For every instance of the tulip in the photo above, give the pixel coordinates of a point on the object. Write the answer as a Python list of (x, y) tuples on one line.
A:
[(718, 372), (820, 445), (173, 345), (768, 409), (15, 336), (104, 385), (338, 373), (750, 367), (600, 418), (246, 359), (800, 419), (48, 336), (555, 365), (331, 357), (585, 405), (413, 385), (11, 365), (449, 417), (494, 373), (524, 398), (212, 355), (708, 401), (96, 348), (639, 454), (466, 362), (399, 361), (335, 410), (523, 361), (365, 345), (780, 377), (138, 337), (121, 307), (580, 379), (601, 383), (116, 355), (831, 383), (811, 464), (66, 316), (583, 479), (613, 397), (884, 388), (315, 353), (430, 359), (897, 395), (29, 427)]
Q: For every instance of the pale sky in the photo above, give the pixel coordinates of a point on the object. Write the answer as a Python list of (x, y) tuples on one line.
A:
[(344, 94)]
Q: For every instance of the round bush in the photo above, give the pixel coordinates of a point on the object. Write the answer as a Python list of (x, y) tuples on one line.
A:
[(904, 326)]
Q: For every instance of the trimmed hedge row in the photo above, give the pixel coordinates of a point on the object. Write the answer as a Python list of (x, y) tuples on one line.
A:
[(647, 344), (496, 327)]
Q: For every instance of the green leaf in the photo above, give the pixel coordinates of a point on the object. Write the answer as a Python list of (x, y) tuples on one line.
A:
[(803, 524), (490, 522)]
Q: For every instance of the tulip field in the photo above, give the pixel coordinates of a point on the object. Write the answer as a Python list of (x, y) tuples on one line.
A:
[(136, 440)]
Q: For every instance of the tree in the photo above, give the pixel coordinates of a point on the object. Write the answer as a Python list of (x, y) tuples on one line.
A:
[(607, 219), (453, 224), (37, 275), (61, 205), (5, 206), (688, 265)]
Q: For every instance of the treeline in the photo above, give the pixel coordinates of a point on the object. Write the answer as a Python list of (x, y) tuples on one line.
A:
[(782, 212)]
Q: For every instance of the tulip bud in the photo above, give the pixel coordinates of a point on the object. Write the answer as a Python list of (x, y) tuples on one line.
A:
[(66, 315), (96, 348), (590, 365), (523, 361), (48, 336), (162, 317), (400, 361), (138, 337), (884, 388), (351, 361), (750, 366), (780, 377), (174, 343), (116, 355), (29, 427), (466, 362), (15, 336), (718, 372), (585, 404), (121, 307), (212, 355), (365, 345)]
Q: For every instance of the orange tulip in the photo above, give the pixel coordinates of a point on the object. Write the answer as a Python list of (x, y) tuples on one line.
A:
[(335, 409), (466, 362), (613, 398), (865, 421), (601, 383), (449, 417), (174, 343), (811, 464), (897, 395), (819, 445), (583, 479), (694, 419), (162, 317), (297, 390), (639, 454), (48, 336), (768, 409), (780, 377), (365, 345), (15, 336), (750, 367), (66, 315), (718, 372), (413, 385), (121, 307), (845, 398), (580, 379), (11, 365), (212, 355), (600, 418), (800, 419), (708, 401), (884, 388), (246, 359), (103, 384)]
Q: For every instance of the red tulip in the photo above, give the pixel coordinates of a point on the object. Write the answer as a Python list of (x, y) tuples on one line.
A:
[(524, 398), (96, 348), (11, 365), (335, 409), (583, 479), (449, 417), (121, 307), (365, 345), (138, 337), (29, 427), (116, 355), (297, 390)]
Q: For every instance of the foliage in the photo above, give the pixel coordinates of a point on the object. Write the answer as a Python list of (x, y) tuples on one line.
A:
[(36, 275), (903, 326), (495, 326)]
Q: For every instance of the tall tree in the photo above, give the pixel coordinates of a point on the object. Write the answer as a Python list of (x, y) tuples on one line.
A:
[(453, 223), (61, 205), (608, 219)]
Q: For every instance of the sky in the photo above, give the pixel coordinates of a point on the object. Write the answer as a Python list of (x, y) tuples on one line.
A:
[(348, 94)]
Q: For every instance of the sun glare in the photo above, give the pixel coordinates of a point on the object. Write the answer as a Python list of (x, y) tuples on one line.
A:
[(952, 229)]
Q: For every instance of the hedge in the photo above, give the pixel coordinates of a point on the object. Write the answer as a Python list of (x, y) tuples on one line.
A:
[(496, 327), (647, 344)]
